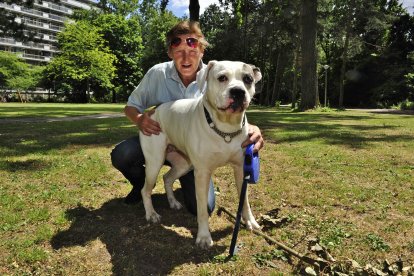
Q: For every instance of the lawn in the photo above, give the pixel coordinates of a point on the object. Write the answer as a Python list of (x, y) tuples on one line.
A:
[(342, 178)]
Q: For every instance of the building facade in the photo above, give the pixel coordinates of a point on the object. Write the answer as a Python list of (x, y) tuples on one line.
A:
[(46, 19)]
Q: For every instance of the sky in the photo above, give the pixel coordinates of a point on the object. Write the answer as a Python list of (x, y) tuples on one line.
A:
[(409, 4), (180, 7)]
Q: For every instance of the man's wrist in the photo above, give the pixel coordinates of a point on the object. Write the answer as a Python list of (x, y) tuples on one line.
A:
[(137, 119)]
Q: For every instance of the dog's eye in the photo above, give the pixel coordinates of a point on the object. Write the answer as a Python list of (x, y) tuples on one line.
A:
[(247, 79), (222, 78)]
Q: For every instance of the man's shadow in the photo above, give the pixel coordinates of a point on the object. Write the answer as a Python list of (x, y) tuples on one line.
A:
[(137, 247)]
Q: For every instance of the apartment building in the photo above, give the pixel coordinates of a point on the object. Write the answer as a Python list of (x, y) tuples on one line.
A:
[(46, 19)]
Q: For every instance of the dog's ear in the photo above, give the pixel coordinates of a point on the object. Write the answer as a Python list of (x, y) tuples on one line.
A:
[(257, 75), (202, 76)]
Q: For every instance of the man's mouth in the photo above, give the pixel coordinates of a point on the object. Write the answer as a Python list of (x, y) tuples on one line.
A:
[(186, 66)]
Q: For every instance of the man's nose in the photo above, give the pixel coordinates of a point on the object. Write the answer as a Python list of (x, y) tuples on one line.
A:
[(185, 55)]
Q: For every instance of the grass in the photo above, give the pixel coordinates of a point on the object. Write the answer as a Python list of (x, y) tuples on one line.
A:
[(344, 177), (55, 110)]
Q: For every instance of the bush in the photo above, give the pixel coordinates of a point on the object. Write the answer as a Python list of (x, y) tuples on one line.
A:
[(405, 105)]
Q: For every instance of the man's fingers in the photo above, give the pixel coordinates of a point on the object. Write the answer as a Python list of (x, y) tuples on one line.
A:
[(255, 137), (147, 125)]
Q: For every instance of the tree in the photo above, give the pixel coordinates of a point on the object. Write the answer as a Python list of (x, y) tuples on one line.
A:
[(194, 8), (309, 97), (84, 63), (356, 38), (124, 8), (154, 41), (17, 75), (123, 36)]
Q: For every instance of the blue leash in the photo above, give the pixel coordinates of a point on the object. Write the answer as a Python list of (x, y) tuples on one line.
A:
[(251, 175)]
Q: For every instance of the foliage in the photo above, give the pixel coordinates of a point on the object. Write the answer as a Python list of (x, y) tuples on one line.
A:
[(85, 63), (405, 105), (119, 7), (155, 24), (123, 37), (372, 67), (16, 74), (376, 242), (265, 258), (367, 44), (135, 33)]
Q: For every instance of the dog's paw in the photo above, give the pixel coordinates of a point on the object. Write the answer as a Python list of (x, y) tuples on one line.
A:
[(252, 224), (174, 204), (205, 242), (153, 217)]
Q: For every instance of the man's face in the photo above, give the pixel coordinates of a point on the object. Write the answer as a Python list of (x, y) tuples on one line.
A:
[(185, 57)]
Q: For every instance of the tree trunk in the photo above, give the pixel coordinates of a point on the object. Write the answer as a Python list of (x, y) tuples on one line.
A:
[(262, 67), (194, 10), (308, 43), (113, 95), (275, 92), (343, 67), (295, 76)]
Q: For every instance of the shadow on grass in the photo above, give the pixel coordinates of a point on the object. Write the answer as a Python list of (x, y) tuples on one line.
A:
[(338, 128), (355, 131), (136, 247), (21, 139), (18, 110)]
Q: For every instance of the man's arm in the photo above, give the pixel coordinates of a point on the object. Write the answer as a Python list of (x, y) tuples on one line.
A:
[(143, 120)]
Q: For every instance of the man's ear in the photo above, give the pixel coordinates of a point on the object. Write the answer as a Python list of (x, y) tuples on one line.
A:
[(202, 76)]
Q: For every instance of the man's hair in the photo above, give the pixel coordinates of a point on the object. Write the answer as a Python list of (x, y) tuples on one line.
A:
[(187, 27)]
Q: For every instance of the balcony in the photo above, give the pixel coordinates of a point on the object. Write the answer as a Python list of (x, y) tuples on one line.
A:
[(41, 25), (34, 57), (54, 7), (28, 45), (7, 41), (33, 13), (77, 4)]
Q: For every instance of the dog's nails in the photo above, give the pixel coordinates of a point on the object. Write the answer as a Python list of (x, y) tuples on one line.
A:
[(154, 218)]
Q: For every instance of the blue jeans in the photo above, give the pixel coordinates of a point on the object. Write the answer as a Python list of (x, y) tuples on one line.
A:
[(128, 158)]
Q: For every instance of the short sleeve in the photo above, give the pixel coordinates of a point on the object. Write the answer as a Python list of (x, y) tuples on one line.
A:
[(139, 98)]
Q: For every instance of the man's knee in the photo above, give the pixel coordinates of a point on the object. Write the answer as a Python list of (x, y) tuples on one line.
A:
[(126, 152), (118, 159)]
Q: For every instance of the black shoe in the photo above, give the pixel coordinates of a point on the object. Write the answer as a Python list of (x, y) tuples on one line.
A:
[(134, 197)]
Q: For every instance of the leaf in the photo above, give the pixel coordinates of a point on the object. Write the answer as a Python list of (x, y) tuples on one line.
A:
[(310, 271), (271, 220)]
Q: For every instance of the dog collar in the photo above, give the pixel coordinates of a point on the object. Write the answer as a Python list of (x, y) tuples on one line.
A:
[(225, 135)]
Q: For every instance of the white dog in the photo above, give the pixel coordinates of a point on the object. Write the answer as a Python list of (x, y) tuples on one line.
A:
[(207, 133)]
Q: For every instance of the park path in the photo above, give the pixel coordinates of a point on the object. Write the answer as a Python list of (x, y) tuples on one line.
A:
[(61, 119)]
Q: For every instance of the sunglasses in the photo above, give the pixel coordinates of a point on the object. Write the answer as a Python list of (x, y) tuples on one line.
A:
[(191, 42)]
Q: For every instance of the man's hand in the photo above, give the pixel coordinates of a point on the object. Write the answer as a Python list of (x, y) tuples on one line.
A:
[(147, 125), (143, 120), (255, 137)]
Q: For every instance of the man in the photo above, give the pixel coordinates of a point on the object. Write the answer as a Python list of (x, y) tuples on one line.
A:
[(166, 82)]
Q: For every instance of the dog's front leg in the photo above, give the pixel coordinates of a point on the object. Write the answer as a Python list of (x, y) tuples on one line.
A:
[(247, 212), (202, 180)]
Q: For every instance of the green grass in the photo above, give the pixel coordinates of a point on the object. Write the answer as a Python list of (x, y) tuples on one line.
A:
[(346, 178), (55, 110)]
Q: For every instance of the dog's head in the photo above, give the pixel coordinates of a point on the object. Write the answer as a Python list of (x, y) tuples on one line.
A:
[(230, 85)]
